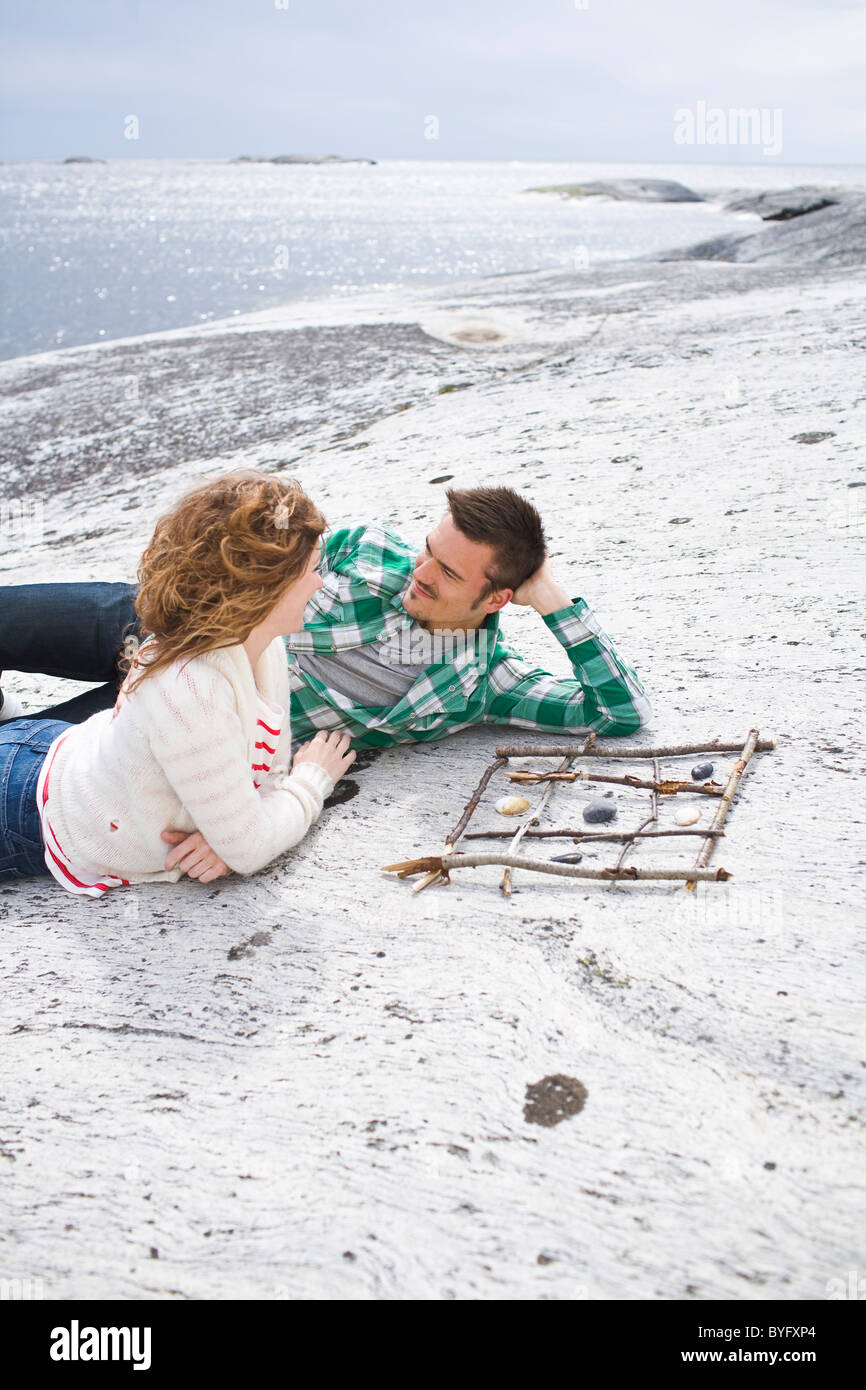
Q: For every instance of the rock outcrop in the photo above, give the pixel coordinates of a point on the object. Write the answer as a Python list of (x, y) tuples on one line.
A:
[(805, 226), (298, 159), (632, 190)]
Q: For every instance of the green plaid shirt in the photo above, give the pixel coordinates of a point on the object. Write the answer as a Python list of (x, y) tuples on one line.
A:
[(365, 571)]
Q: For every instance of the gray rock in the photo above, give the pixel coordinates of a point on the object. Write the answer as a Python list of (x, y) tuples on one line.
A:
[(317, 159), (297, 159), (831, 235), (781, 205), (633, 190)]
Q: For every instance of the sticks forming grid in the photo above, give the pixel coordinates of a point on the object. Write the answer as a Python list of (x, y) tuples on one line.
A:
[(436, 868)]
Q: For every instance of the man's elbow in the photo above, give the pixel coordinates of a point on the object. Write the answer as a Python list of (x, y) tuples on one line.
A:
[(632, 720)]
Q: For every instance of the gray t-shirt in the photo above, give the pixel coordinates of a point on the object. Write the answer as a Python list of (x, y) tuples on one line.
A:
[(368, 675)]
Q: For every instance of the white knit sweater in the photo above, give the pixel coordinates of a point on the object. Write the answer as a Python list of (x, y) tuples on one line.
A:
[(178, 755)]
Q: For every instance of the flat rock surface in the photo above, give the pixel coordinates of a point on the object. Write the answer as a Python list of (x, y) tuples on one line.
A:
[(314, 1083)]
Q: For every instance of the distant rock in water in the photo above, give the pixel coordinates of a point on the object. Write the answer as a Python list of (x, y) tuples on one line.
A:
[(636, 190), (832, 231), (781, 206), (298, 159), (83, 159)]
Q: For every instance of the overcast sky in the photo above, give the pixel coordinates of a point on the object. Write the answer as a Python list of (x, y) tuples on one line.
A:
[(542, 79)]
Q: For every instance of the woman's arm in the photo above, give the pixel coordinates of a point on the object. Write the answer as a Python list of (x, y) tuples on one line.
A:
[(197, 737)]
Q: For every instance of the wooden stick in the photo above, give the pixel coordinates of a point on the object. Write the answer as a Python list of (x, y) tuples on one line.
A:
[(609, 750), (519, 861), (472, 804), (578, 835), (653, 816), (461, 824), (667, 788), (505, 884), (725, 803)]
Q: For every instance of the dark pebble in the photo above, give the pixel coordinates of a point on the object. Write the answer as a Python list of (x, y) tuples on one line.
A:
[(567, 858), (599, 811), (701, 771)]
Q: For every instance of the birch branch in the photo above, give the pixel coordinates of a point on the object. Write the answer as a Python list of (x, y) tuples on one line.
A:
[(610, 750)]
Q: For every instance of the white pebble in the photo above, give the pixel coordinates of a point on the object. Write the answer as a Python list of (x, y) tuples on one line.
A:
[(685, 816)]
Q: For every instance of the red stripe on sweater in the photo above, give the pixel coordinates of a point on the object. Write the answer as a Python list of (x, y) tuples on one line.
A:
[(275, 732), (103, 887)]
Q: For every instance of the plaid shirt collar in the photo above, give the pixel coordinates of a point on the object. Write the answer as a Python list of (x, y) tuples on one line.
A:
[(345, 614)]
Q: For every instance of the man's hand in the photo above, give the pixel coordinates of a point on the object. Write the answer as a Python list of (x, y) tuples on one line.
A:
[(193, 855), (541, 592)]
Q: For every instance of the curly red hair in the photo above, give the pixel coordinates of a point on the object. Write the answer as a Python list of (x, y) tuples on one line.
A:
[(219, 562)]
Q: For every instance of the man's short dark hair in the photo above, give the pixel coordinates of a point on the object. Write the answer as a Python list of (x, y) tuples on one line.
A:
[(511, 526)]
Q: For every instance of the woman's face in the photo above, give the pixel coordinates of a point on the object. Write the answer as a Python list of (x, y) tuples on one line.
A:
[(288, 615)]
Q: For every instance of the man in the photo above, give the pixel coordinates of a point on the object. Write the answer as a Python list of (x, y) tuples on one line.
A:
[(397, 646)]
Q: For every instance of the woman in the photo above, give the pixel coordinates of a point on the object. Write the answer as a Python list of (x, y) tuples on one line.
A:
[(197, 751)]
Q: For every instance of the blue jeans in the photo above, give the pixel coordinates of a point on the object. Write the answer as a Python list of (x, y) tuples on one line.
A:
[(23, 745), (70, 630)]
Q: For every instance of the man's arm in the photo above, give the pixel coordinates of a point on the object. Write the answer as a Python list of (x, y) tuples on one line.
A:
[(605, 694)]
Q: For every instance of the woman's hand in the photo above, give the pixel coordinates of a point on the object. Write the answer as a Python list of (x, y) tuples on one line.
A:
[(193, 855), (330, 751), (121, 695)]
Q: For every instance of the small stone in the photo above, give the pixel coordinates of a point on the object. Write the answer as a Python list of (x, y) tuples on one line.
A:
[(678, 520), (566, 858), (813, 436), (701, 771), (597, 812), (512, 805), (686, 816)]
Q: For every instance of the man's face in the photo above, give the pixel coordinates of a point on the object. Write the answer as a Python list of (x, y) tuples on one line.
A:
[(448, 580)]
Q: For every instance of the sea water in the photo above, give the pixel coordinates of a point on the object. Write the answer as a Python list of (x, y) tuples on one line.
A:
[(92, 252)]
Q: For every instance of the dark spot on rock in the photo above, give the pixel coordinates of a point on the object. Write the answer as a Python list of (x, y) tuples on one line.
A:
[(771, 1166), (553, 1099), (349, 1255), (545, 1259), (813, 436), (678, 520), (154, 1253)]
